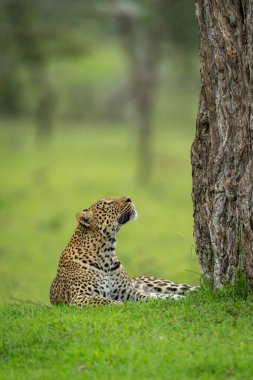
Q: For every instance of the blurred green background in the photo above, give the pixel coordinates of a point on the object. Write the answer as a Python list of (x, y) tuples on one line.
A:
[(96, 100)]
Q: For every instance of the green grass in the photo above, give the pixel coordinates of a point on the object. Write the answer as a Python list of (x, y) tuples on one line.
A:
[(202, 337)]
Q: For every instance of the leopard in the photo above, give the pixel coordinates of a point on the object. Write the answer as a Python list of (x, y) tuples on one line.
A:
[(89, 271)]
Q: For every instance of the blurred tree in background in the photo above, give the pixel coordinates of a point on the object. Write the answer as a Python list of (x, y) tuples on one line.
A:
[(38, 37), (142, 42), (33, 33), (146, 31)]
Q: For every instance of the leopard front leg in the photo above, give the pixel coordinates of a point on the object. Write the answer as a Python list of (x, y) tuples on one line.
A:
[(133, 294), (129, 293), (123, 289)]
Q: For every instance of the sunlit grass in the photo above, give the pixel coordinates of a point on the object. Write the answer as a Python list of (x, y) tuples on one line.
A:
[(205, 336)]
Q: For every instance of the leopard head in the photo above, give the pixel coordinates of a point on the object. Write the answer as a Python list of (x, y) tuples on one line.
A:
[(107, 215)]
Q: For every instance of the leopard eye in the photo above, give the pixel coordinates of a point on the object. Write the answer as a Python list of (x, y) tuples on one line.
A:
[(104, 204)]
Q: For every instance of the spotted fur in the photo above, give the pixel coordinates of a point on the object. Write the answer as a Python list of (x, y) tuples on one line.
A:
[(89, 271)]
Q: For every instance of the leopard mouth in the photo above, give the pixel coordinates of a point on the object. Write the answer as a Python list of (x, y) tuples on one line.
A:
[(124, 218), (128, 215)]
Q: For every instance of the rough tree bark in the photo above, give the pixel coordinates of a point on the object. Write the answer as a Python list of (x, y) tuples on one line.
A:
[(221, 154)]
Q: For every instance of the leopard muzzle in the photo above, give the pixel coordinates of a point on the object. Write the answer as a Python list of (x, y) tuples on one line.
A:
[(128, 213)]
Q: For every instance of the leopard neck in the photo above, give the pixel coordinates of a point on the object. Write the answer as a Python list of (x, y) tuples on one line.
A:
[(102, 242), (107, 248)]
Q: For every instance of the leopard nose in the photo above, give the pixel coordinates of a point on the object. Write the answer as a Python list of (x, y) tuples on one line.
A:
[(128, 199)]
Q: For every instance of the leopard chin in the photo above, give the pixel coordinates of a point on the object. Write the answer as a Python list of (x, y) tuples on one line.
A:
[(133, 215)]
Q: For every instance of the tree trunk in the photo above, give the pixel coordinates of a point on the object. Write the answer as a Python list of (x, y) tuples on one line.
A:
[(221, 154)]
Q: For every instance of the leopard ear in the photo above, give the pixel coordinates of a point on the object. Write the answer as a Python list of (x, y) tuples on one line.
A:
[(85, 217)]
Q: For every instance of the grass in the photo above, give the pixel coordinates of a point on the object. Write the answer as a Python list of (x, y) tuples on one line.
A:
[(202, 337)]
